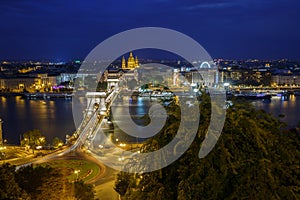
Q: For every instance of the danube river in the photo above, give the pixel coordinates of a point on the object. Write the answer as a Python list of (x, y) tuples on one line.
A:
[(289, 109), (54, 117)]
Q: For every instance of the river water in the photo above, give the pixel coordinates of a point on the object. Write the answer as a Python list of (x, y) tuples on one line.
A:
[(289, 109), (54, 117)]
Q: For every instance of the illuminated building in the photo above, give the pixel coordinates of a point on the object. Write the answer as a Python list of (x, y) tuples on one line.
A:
[(132, 62), (124, 74), (18, 84), (41, 83), (285, 79), (204, 75)]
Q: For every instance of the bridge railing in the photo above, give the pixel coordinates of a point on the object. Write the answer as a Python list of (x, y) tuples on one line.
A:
[(109, 100), (91, 123)]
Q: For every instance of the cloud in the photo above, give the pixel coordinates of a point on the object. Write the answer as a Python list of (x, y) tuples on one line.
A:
[(223, 4), (211, 5)]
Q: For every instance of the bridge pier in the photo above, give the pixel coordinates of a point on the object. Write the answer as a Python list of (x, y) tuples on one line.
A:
[(112, 84)]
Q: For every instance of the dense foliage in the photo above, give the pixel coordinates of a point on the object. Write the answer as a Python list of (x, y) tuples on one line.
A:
[(40, 183), (253, 159), (32, 139)]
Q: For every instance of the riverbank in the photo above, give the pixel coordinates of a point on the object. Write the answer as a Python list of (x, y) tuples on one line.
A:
[(17, 155), (38, 95)]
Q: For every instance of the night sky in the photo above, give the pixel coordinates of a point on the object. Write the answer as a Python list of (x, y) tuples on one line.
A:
[(70, 29)]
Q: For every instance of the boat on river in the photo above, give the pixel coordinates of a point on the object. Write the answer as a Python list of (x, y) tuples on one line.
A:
[(253, 96)]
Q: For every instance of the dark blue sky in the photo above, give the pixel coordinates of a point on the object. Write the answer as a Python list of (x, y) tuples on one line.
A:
[(67, 29)]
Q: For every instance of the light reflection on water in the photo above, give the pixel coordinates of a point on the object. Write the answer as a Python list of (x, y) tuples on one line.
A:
[(138, 108), (277, 106), (54, 117)]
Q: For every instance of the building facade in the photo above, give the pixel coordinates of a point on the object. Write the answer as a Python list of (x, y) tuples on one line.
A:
[(286, 79), (132, 62)]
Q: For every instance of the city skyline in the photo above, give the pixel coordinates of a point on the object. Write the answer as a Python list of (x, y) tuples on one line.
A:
[(160, 99), (228, 29)]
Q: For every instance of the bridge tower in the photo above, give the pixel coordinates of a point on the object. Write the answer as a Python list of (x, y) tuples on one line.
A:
[(94, 99), (112, 83)]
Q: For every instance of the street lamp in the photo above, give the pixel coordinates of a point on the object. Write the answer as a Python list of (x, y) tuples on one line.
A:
[(122, 144), (121, 158), (76, 172)]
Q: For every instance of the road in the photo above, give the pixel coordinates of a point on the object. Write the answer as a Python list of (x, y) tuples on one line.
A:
[(104, 181)]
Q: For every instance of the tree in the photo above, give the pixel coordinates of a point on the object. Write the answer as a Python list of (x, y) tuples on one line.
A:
[(40, 180), (101, 86), (9, 189), (145, 86), (44, 182), (122, 183), (32, 139), (253, 159), (84, 191), (56, 142)]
